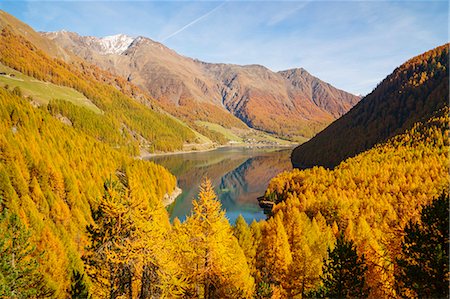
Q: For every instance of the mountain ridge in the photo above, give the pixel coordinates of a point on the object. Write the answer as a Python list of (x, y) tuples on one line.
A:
[(255, 95), (410, 93), (112, 44)]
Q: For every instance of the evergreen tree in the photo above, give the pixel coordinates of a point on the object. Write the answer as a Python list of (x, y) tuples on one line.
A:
[(343, 272), (423, 266), (78, 289), (19, 275)]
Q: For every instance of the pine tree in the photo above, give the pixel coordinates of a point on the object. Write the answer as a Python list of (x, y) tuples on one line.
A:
[(78, 289), (19, 274), (423, 266), (343, 272)]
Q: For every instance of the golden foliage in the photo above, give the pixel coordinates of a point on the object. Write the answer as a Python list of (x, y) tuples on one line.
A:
[(51, 176), (209, 255), (137, 120), (369, 197)]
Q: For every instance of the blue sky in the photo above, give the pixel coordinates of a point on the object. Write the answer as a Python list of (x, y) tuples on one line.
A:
[(351, 44)]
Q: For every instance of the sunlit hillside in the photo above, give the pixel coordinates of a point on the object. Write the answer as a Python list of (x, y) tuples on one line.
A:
[(129, 123), (83, 215), (410, 94), (369, 198)]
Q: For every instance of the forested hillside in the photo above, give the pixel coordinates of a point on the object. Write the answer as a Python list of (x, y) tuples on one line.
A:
[(81, 218), (76, 196), (369, 198), (410, 94), (51, 176), (124, 122)]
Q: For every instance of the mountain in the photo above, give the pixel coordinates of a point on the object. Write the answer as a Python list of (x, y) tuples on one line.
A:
[(232, 96), (369, 198), (81, 218), (94, 101), (114, 44), (20, 28), (408, 95)]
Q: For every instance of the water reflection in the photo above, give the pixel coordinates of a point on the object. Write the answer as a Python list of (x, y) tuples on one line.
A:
[(239, 176)]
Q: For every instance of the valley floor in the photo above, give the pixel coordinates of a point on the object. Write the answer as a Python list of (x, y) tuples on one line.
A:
[(199, 148)]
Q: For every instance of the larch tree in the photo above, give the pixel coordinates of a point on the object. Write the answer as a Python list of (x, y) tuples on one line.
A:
[(274, 257), (112, 228), (305, 269), (129, 253), (245, 236), (212, 258)]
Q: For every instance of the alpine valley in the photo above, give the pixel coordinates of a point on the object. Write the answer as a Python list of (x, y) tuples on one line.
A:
[(82, 215), (291, 104)]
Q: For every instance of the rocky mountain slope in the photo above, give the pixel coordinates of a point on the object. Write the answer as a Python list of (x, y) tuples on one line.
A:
[(290, 103), (412, 92), (100, 104)]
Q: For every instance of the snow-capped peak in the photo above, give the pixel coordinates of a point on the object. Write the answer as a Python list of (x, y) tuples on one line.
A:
[(115, 44)]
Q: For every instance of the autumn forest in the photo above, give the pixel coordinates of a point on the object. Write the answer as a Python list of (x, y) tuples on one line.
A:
[(365, 214)]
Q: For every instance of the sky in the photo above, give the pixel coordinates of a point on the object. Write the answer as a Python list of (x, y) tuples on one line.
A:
[(352, 45)]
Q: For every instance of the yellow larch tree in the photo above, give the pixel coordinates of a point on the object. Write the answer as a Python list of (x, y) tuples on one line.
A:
[(274, 254), (210, 254)]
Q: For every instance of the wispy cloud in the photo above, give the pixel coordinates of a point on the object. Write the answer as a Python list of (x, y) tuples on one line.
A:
[(193, 22), (283, 15), (350, 44)]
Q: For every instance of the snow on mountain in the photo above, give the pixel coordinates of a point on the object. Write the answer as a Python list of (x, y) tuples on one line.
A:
[(115, 44)]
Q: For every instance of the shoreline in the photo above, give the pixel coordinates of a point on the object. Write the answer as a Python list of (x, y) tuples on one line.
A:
[(150, 155), (168, 199), (144, 156)]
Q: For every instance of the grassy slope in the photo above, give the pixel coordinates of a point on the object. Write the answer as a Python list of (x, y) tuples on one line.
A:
[(228, 133), (43, 92), (245, 136)]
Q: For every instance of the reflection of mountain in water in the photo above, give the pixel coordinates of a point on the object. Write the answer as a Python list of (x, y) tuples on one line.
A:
[(244, 184), (239, 176)]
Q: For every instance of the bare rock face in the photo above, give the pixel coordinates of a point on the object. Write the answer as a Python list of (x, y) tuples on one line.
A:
[(289, 103)]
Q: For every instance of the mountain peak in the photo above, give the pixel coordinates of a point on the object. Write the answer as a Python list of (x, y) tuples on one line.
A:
[(295, 72), (115, 44), (254, 94)]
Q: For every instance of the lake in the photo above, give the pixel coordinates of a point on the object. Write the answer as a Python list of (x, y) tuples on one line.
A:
[(239, 175)]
